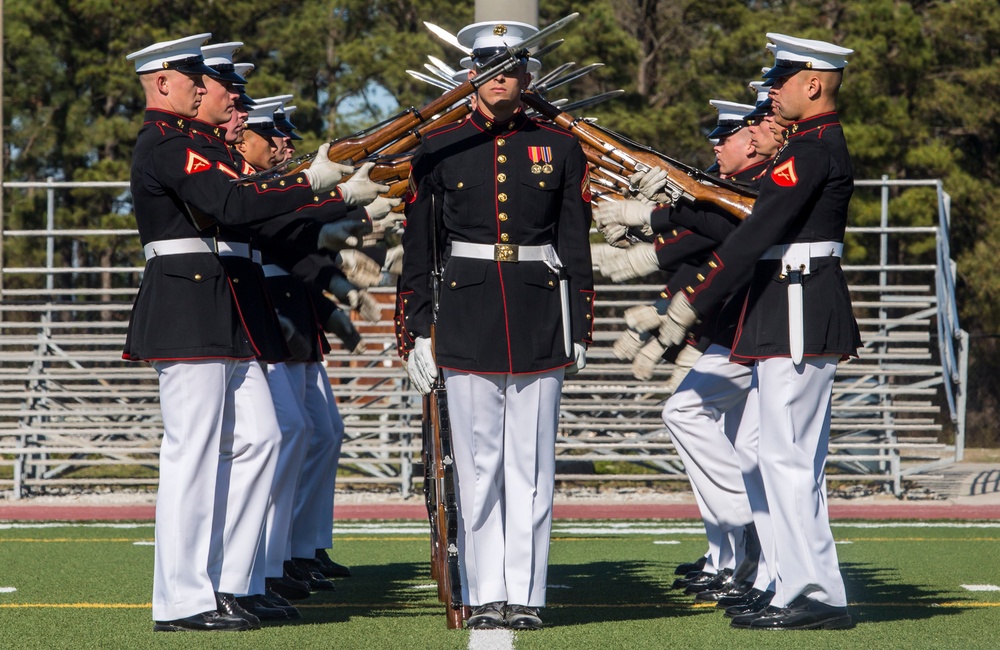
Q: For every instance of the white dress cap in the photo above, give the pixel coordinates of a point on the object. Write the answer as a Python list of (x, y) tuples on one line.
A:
[(488, 38), (761, 88), (261, 119), (219, 56), (183, 55), (275, 99), (243, 69), (793, 54), (730, 117)]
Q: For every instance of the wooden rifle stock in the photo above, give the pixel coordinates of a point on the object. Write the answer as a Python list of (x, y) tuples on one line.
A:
[(408, 142), (678, 180), (442, 505)]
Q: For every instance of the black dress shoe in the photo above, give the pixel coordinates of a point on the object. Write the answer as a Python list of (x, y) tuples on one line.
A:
[(287, 587), (726, 589), (211, 621), (274, 600), (487, 617), (329, 568), (743, 621), (688, 567), (805, 614), (682, 583), (300, 570), (261, 609), (754, 602), (228, 606), (734, 595), (519, 617), (722, 580)]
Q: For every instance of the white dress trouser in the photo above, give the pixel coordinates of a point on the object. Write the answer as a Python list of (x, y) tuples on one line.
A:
[(312, 524), (702, 417), (746, 445), (287, 384), (795, 404), (503, 440), (216, 465)]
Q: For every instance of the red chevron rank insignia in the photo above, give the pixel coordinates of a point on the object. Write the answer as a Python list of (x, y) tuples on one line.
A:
[(247, 169), (585, 185), (196, 163), (784, 174), (227, 171)]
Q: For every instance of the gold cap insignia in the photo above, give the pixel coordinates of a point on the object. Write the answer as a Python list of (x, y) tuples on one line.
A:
[(500, 30)]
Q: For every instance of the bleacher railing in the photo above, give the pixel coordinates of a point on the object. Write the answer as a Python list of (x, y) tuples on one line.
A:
[(73, 414)]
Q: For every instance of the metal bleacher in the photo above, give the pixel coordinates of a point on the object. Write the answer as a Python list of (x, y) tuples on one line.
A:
[(74, 415)]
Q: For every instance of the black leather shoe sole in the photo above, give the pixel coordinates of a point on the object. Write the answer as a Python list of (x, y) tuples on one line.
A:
[(688, 567), (198, 623), (842, 622)]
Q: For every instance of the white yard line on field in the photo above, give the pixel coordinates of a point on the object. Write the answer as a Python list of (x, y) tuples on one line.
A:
[(491, 640)]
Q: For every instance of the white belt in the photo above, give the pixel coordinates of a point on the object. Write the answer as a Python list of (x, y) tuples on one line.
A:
[(178, 246), (797, 256), (515, 253), (238, 249), (273, 270), (504, 252), (795, 264)]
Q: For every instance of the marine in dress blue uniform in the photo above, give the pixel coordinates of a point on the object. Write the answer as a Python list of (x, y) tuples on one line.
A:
[(505, 201), (186, 322), (796, 325)]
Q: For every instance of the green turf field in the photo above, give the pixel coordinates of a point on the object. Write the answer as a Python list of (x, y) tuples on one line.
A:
[(88, 586)]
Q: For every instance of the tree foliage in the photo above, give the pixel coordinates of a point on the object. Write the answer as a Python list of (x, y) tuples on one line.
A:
[(920, 98)]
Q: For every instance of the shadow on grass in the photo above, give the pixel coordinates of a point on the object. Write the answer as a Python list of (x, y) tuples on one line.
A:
[(613, 591), (881, 597), (396, 589)]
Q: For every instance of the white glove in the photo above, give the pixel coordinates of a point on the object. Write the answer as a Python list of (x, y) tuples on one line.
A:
[(421, 367), (682, 366), (382, 225), (680, 317), (323, 173), (366, 305), (579, 359), (647, 359), (615, 217), (358, 190), (394, 260), (650, 185), (361, 270), (381, 207), (338, 235), (643, 318), (628, 345), (636, 261)]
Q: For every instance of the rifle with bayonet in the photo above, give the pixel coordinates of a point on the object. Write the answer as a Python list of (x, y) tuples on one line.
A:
[(352, 149), (442, 505), (682, 181)]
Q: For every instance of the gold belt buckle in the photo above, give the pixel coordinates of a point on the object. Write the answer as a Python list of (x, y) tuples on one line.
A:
[(505, 252)]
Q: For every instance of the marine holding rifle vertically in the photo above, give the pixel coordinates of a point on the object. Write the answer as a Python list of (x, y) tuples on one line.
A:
[(499, 203)]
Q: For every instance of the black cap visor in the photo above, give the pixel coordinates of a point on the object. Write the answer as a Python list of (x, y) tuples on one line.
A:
[(227, 72), (192, 66), (727, 127), (265, 129), (761, 110)]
